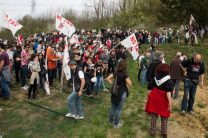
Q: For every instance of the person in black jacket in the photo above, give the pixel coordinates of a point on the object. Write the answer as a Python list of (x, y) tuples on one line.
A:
[(159, 56), (17, 63), (195, 68), (75, 97)]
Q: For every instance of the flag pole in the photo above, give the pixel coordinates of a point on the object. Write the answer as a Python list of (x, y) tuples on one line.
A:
[(62, 71)]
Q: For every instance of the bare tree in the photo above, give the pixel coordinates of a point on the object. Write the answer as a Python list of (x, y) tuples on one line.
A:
[(98, 7)]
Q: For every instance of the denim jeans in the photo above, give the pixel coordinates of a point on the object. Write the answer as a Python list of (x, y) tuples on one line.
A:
[(74, 104), (189, 95), (5, 87), (143, 76), (103, 84), (156, 40), (116, 109), (24, 73), (98, 83)]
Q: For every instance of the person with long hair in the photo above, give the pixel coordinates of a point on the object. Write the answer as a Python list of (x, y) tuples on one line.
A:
[(159, 99), (117, 101), (34, 67)]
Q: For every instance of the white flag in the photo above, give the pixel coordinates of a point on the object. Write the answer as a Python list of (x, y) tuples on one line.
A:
[(74, 39), (130, 41), (134, 52), (66, 59), (9, 23), (132, 45), (191, 20), (64, 26)]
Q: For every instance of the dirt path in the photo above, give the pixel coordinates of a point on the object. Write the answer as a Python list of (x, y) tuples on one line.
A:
[(191, 126)]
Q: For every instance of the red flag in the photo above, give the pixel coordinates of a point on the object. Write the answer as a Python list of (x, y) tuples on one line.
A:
[(20, 39)]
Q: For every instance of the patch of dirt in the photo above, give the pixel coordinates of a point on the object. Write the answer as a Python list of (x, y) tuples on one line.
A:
[(191, 126)]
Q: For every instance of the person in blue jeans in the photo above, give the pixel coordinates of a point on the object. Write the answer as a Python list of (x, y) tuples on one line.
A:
[(118, 99), (144, 67), (74, 99), (5, 73), (99, 75), (194, 69)]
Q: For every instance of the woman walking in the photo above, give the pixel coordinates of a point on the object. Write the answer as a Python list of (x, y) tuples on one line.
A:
[(117, 100)]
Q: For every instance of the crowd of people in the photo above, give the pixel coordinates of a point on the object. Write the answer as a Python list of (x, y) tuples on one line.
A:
[(97, 57)]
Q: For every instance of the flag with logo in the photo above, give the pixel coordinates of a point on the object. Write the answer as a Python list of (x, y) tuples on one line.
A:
[(132, 45), (64, 26), (9, 23)]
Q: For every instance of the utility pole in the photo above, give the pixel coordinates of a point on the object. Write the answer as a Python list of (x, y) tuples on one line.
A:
[(33, 8)]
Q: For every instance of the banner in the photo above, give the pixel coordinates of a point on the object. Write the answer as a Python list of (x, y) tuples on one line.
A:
[(64, 26), (132, 45), (130, 41), (9, 23)]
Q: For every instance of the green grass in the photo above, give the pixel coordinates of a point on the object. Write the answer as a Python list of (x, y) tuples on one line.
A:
[(22, 120)]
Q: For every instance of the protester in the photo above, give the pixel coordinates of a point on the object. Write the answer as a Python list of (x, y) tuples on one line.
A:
[(52, 58), (99, 76), (34, 67), (139, 64), (159, 99), (25, 56), (176, 73), (42, 72), (17, 63), (195, 68), (90, 72), (75, 97), (144, 67), (5, 73), (159, 56), (117, 101)]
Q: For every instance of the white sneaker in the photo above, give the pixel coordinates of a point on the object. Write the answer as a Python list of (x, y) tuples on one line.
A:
[(79, 117), (183, 112), (105, 90), (24, 88), (191, 112), (70, 115), (118, 126)]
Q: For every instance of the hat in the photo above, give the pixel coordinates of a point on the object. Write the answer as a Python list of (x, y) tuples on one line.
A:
[(72, 62)]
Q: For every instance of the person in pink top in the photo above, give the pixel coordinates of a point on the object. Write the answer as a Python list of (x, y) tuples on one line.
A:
[(25, 56)]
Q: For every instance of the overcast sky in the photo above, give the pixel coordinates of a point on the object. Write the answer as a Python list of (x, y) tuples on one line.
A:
[(19, 8)]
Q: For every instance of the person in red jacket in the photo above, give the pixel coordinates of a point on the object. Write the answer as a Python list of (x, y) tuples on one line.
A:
[(159, 99)]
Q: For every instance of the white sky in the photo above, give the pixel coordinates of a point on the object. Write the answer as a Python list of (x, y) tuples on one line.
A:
[(19, 8)]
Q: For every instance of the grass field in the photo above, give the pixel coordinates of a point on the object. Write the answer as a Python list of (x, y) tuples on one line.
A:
[(20, 119)]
